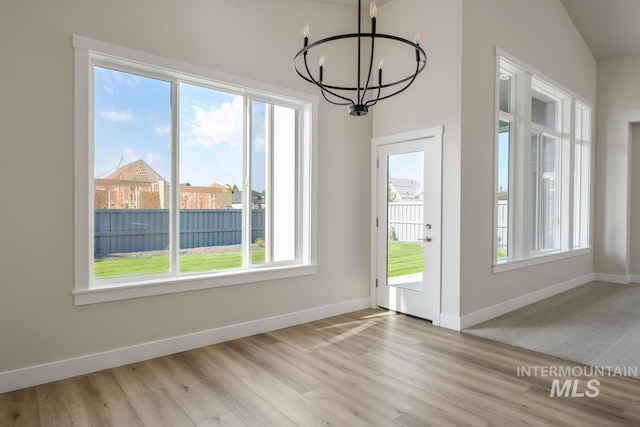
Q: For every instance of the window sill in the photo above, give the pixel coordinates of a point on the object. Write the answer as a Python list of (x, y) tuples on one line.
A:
[(515, 264), (116, 292)]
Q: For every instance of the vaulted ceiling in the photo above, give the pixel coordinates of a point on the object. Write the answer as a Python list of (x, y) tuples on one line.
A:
[(610, 28)]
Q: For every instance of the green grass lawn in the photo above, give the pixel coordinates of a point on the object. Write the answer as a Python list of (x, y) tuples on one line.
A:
[(404, 258), (119, 267)]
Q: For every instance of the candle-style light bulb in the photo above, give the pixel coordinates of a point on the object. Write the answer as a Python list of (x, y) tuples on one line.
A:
[(373, 12), (321, 61), (305, 33), (380, 64), (416, 40)]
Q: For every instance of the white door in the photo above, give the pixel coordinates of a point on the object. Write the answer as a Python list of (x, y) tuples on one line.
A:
[(407, 229)]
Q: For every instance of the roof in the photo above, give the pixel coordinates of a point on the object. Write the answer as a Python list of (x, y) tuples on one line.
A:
[(138, 170), (407, 188)]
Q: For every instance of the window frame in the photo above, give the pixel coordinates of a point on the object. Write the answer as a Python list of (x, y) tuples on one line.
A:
[(582, 185), (89, 53), (525, 82)]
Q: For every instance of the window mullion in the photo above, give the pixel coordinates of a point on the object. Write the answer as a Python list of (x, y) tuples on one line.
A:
[(539, 236), (246, 183), (299, 195), (511, 191), (568, 174), (268, 223), (522, 178), (174, 198)]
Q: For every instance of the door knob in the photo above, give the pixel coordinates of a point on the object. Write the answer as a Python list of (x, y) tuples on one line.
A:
[(427, 239)]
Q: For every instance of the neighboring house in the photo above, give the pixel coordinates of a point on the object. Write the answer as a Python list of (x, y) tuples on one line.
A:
[(405, 190), (257, 200), (137, 186), (213, 196)]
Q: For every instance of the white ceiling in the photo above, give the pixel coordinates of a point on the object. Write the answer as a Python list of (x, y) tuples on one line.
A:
[(365, 3), (610, 28)]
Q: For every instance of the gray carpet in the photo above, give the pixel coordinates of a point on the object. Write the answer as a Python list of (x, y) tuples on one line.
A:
[(597, 324)]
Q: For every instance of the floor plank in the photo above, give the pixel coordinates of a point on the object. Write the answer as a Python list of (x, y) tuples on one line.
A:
[(19, 408), (156, 408), (365, 368)]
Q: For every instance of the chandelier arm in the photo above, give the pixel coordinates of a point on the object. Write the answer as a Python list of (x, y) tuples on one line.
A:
[(355, 35), (359, 107), (411, 79), (323, 88), (366, 86), (372, 102), (322, 91)]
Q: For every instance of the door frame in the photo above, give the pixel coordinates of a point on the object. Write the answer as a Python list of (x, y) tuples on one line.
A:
[(431, 132)]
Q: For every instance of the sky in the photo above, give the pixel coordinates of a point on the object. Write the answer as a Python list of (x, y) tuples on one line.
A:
[(132, 120), (410, 166), (503, 160), (407, 165)]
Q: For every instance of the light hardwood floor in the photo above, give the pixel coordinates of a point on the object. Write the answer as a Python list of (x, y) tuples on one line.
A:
[(366, 368)]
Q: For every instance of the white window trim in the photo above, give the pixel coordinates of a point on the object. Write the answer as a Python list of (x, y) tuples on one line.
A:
[(87, 291), (542, 258), (517, 259)]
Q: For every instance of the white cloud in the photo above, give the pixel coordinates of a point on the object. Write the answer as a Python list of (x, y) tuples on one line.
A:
[(217, 125), (162, 129), (258, 144), (114, 115), (113, 80), (152, 157), (124, 78)]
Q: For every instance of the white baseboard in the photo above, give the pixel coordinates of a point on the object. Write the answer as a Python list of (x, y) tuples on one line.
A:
[(53, 371), (450, 322), (615, 278), (515, 303)]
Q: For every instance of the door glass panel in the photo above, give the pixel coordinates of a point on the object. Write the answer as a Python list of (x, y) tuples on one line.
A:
[(405, 228)]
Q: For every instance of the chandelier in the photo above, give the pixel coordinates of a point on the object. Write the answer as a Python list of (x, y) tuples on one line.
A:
[(365, 93)]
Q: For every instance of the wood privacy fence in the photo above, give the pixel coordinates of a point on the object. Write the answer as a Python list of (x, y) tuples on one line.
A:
[(404, 221), (139, 230)]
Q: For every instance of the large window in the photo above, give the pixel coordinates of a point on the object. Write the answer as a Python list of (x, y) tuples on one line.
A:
[(183, 181), (542, 168)]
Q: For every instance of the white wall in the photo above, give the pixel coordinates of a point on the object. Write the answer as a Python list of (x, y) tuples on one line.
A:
[(634, 199), (457, 91), (255, 39), (433, 100), (618, 108), (541, 34)]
